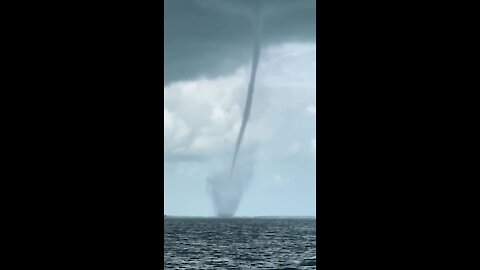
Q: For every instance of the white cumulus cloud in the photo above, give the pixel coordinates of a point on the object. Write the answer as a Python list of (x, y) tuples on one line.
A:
[(203, 117)]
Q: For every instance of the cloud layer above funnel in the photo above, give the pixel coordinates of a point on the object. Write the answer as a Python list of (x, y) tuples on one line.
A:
[(209, 38)]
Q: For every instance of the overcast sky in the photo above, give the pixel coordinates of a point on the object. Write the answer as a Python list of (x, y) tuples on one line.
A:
[(208, 47)]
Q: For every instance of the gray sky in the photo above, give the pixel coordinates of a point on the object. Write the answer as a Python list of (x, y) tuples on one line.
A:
[(208, 45)]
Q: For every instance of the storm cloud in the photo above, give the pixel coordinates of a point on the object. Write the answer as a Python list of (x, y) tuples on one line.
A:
[(209, 38)]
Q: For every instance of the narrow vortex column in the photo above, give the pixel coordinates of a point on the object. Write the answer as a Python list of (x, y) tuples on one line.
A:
[(227, 188)]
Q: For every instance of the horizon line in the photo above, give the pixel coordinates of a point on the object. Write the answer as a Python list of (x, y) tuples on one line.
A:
[(246, 216)]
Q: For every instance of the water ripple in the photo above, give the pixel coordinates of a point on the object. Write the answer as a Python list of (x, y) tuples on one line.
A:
[(239, 243)]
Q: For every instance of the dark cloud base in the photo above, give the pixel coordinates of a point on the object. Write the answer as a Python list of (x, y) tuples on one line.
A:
[(211, 38)]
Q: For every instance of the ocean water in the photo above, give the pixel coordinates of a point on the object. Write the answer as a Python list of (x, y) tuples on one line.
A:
[(239, 243)]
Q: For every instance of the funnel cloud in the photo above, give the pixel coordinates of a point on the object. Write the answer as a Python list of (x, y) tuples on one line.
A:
[(251, 88), (227, 190)]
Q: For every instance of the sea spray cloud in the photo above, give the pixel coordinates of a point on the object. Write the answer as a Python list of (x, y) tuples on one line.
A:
[(227, 195)]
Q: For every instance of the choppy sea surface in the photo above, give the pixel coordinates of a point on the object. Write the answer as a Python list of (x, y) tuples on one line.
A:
[(240, 243)]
